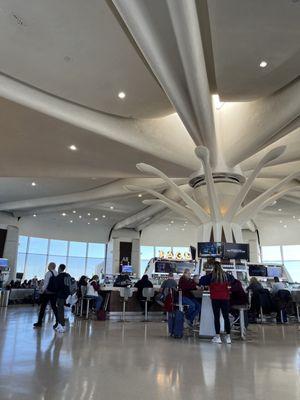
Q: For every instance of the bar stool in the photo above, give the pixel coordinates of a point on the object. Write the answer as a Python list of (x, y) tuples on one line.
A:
[(88, 299), (126, 293), (148, 293), (242, 308)]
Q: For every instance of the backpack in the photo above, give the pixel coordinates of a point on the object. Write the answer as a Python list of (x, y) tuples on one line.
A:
[(52, 287)]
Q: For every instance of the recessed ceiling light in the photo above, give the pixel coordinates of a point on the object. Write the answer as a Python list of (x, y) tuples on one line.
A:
[(263, 64), (73, 147), (74, 211), (167, 229), (103, 216), (63, 214), (172, 222), (111, 207), (280, 222), (121, 95), (89, 223), (33, 184), (299, 219), (140, 195), (34, 215), (71, 221), (80, 216), (182, 229), (96, 219), (279, 209), (89, 214), (294, 216), (285, 226)]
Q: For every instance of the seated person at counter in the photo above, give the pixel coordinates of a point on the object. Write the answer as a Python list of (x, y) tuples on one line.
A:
[(122, 280), (187, 285), (219, 283), (140, 285), (93, 288), (83, 282), (277, 285), (254, 285), (238, 297), (169, 283)]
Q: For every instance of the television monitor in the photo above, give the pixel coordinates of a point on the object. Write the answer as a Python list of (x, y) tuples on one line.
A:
[(209, 249), (274, 271), (237, 251), (257, 270), (19, 276), (3, 262), (127, 269)]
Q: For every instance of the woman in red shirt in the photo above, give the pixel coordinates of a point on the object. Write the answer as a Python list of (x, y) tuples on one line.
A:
[(219, 284)]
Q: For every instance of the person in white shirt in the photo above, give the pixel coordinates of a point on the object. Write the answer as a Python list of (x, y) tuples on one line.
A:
[(48, 293), (277, 285)]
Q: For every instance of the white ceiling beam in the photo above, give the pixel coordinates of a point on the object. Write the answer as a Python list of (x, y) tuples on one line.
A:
[(168, 35)]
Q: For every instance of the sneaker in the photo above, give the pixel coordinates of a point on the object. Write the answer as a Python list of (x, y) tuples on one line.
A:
[(217, 339), (60, 328), (37, 325), (55, 325), (228, 339)]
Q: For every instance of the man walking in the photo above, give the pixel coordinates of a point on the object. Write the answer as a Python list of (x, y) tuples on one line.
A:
[(48, 294), (63, 285)]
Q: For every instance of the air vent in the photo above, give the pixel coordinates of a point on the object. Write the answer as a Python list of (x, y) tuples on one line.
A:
[(199, 180)]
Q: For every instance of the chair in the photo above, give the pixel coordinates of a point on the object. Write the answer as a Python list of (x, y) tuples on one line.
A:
[(148, 293), (125, 293), (296, 300), (283, 300)]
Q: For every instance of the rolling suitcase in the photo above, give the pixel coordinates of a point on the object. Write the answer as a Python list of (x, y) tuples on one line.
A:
[(176, 321)]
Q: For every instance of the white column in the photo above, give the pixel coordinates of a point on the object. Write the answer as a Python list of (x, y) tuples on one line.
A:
[(11, 249)]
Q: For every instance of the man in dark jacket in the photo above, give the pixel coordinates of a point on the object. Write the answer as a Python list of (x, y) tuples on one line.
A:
[(63, 283)]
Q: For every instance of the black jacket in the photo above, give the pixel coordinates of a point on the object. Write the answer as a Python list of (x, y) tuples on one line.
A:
[(63, 282)]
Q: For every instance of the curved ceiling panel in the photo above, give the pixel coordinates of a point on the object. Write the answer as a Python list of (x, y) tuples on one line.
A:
[(77, 50), (244, 33)]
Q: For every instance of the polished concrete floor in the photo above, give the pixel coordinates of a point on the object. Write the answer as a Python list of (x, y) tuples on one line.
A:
[(110, 361)]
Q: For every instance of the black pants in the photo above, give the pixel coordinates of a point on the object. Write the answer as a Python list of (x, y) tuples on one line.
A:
[(221, 305), (61, 311), (45, 298)]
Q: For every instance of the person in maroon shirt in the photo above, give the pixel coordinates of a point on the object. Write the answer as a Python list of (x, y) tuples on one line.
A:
[(187, 285)]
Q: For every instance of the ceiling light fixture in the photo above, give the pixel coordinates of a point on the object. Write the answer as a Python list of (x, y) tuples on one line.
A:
[(172, 222), (263, 64), (111, 207), (279, 209), (121, 95), (73, 147), (74, 211), (285, 226), (96, 219), (63, 214), (80, 216), (140, 195), (89, 223), (103, 216), (89, 214), (294, 216), (280, 222), (33, 184), (71, 221), (34, 215)]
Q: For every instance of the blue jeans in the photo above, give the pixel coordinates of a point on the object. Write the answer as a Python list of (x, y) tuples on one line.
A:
[(98, 301), (193, 309)]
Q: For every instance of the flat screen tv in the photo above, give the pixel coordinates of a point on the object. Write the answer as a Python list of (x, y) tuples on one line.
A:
[(236, 251), (127, 269), (257, 270), (209, 249)]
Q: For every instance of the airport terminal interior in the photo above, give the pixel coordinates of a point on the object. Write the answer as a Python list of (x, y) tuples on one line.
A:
[(150, 199)]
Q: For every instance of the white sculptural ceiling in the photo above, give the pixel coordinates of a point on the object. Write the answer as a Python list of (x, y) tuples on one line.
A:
[(63, 65)]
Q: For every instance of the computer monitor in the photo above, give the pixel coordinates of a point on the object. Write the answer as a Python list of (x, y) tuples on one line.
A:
[(209, 249), (3, 262), (257, 270), (127, 269), (274, 271)]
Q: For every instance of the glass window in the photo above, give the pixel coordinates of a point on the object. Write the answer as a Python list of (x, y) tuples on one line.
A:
[(96, 250), (38, 245), (77, 249), (57, 260), (95, 266), (293, 268), (147, 252), (58, 247), (23, 240), (76, 266), (271, 253), (21, 262), (291, 253), (144, 264), (35, 266)]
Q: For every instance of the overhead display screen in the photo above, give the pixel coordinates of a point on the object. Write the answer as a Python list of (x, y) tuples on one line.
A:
[(237, 251), (209, 249)]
